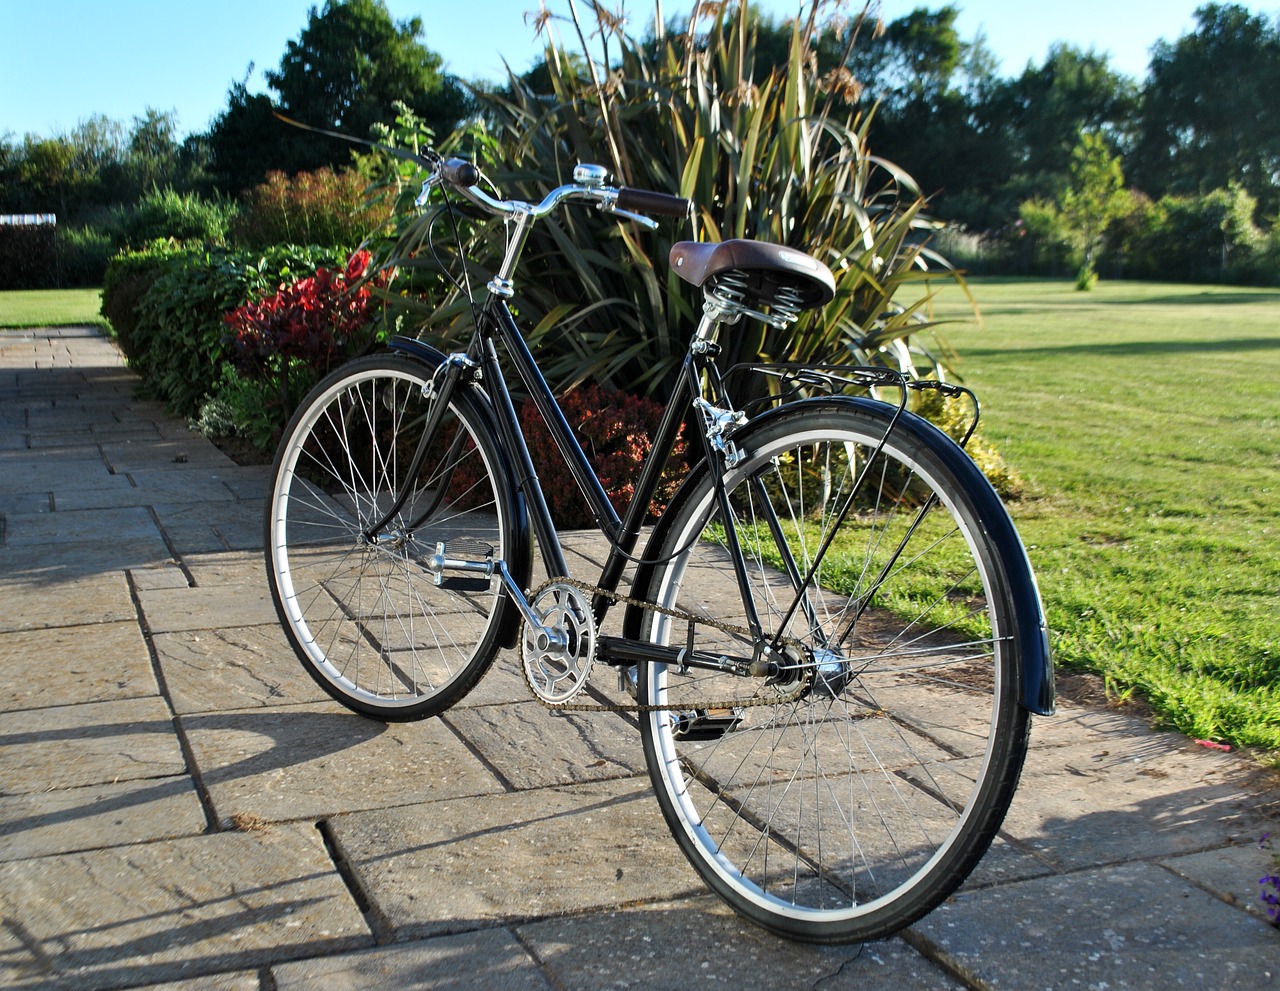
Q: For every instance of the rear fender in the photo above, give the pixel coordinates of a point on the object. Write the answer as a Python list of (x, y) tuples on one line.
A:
[(1035, 668)]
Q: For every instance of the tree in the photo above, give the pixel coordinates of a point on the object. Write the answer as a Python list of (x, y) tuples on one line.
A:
[(927, 89), (914, 57), (47, 171), (153, 152), (1095, 198), (345, 71), (1208, 109), (348, 67), (1050, 105), (246, 141)]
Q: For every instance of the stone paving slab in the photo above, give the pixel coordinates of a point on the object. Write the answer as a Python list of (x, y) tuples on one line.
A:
[(195, 485), (31, 601), (38, 530), (1133, 926), (62, 666), (43, 471), (700, 943), (96, 816), (181, 454), (168, 610), (94, 743), (1231, 873), (247, 981), (144, 488), (1155, 795), (75, 567), (249, 481), (491, 960), (239, 567), (232, 668), (162, 574), (26, 502), (500, 685), (97, 492), (532, 747), (455, 866), (313, 761), (92, 434), (201, 528), (162, 911)]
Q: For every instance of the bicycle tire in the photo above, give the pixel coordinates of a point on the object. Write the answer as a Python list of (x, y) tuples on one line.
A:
[(848, 812), (368, 621)]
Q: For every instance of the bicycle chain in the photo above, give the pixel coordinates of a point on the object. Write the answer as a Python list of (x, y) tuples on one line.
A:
[(626, 600)]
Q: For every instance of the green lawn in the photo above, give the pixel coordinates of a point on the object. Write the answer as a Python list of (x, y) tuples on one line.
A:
[(51, 308), (1146, 420)]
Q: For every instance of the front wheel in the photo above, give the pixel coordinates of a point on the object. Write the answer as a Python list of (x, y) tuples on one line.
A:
[(849, 793), (373, 623)]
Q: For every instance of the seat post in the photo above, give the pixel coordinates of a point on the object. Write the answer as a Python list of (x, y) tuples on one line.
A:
[(712, 315)]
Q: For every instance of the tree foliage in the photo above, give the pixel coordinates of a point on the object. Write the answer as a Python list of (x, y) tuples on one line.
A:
[(1209, 108), (345, 71), (1093, 199), (78, 174)]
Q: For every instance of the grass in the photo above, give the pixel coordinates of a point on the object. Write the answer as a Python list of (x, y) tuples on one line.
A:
[(1145, 419), (51, 308)]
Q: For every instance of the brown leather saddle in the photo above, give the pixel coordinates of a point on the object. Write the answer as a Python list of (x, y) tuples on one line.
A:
[(764, 274)]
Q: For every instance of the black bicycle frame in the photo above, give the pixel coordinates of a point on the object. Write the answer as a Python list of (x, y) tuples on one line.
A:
[(623, 533)]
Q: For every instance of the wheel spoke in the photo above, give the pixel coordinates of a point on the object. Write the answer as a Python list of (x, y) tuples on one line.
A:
[(366, 617), (855, 805)]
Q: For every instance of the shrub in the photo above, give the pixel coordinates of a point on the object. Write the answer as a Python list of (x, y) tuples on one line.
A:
[(321, 207), (615, 430), (164, 213), (953, 415), (283, 344), (178, 341), (776, 159), (84, 253), (1047, 241), (126, 280), (240, 407)]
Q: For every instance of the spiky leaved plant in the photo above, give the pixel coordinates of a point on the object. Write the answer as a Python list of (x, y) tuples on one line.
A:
[(770, 152)]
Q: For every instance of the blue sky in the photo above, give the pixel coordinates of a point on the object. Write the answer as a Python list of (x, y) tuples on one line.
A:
[(62, 61)]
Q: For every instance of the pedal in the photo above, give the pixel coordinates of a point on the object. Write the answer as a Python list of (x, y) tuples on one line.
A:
[(461, 565), (706, 724)]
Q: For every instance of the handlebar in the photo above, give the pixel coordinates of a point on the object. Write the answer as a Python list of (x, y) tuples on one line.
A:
[(589, 184)]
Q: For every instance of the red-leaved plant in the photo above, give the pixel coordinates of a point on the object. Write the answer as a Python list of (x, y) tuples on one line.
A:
[(294, 337), (616, 431)]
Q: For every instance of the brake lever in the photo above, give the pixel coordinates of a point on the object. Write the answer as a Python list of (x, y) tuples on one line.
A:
[(609, 206), (431, 182)]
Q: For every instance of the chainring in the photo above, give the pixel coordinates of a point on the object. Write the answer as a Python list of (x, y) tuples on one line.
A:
[(557, 657)]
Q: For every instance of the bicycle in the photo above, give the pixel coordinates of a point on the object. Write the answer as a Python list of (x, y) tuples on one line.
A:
[(832, 640)]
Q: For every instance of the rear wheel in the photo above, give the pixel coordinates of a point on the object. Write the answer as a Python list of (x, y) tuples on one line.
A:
[(847, 795), (371, 622)]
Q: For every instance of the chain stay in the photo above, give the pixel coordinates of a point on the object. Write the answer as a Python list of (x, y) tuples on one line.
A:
[(618, 599)]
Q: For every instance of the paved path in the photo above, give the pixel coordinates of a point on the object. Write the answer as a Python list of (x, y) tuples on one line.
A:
[(181, 808)]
